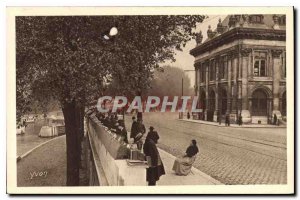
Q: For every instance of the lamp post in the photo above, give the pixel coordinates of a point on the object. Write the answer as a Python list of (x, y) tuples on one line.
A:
[(113, 32), (181, 113), (108, 35)]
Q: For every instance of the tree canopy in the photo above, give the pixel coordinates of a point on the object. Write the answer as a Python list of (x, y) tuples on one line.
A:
[(67, 58)]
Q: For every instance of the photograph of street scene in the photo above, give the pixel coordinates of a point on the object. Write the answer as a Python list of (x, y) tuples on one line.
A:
[(151, 100)]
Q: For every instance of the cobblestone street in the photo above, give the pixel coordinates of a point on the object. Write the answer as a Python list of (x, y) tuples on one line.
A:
[(230, 155)]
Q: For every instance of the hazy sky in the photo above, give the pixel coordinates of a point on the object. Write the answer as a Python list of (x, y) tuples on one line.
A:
[(186, 61)]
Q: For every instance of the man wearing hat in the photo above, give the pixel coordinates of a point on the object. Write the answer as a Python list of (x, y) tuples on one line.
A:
[(134, 129), (156, 167)]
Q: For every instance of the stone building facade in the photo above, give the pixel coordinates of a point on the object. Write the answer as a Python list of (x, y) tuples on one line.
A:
[(241, 69)]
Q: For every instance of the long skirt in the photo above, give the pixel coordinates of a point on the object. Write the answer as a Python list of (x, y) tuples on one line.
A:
[(183, 165), (153, 173)]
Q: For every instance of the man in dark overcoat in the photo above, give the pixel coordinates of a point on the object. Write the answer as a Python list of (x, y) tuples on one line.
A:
[(153, 134), (134, 129), (275, 119), (141, 127), (156, 168)]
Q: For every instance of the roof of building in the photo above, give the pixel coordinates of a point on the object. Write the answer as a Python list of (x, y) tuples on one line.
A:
[(260, 26), (268, 23)]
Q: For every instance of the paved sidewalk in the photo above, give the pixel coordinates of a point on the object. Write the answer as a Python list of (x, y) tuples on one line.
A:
[(196, 177), (45, 166), (233, 125)]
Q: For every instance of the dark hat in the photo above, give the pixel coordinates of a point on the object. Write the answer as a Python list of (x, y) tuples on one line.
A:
[(194, 142), (151, 128)]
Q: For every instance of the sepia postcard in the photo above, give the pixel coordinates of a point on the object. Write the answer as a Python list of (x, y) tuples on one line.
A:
[(150, 100)]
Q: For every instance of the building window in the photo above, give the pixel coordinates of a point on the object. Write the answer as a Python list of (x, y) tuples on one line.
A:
[(203, 73), (212, 70), (260, 64), (256, 19), (211, 105), (223, 67), (223, 100), (281, 20), (283, 60)]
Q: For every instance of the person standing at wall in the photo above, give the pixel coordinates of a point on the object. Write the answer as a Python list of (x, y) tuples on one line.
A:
[(275, 119), (240, 120), (156, 168), (141, 133), (153, 134), (134, 129)]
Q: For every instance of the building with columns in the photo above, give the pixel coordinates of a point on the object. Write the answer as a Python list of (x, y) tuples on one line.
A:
[(241, 69)]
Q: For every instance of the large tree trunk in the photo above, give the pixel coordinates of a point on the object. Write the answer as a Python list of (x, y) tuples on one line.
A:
[(139, 114), (72, 115)]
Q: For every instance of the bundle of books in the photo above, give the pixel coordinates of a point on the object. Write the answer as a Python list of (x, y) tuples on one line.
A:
[(136, 162)]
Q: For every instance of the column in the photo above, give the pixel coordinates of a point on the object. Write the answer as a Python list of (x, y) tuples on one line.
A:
[(206, 88), (216, 64), (238, 60), (229, 85), (197, 78), (276, 81), (198, 88), (199, 75), (244, 67), (234, 107)]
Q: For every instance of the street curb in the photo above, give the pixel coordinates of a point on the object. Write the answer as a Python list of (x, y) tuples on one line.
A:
[(206, 176), (231, 126), (31, 150)]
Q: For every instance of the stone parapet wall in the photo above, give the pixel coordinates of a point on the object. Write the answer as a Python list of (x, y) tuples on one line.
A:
[(109, 158)]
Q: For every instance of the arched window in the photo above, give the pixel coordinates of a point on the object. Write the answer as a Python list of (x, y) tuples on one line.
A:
[(223, 67), (212, 100), (202, 100), (211, 105), (223, 101), (281, 20), (212, 70), (259, 103), (203, 73)]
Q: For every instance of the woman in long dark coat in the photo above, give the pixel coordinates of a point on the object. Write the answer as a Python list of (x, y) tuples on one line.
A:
[(157, 168)]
